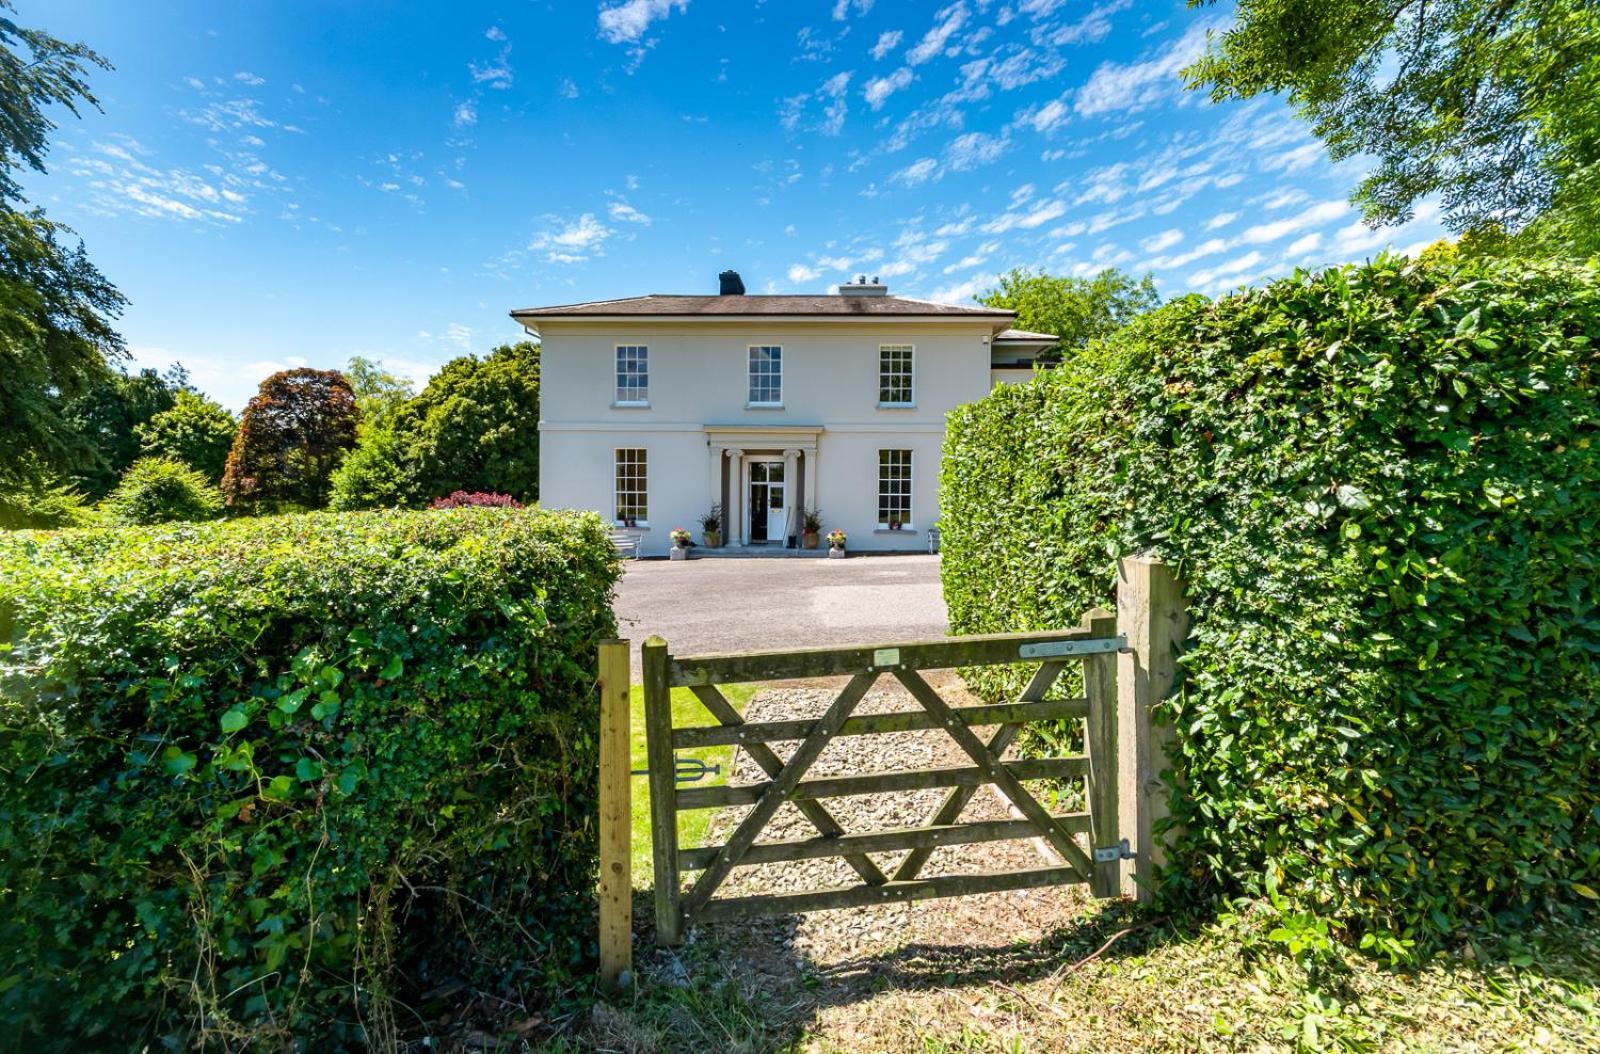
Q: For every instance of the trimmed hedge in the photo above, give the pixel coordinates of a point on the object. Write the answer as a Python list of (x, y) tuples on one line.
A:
[(263, 778), (1382, 487)]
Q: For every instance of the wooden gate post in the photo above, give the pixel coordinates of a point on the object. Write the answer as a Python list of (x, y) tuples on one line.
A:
[(662, 764), (1152, 616), (1107, 821), (616, 816)]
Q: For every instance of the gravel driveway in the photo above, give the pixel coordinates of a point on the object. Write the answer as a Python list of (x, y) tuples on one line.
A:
[(721, 605)]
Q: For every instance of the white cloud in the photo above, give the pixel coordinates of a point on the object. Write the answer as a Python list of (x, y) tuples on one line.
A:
[(1092, 28), (459, 335), (887, 42), (951, 19), (1315, 216), (962, 291), (1221, 219), (568, 88), (878, 89), (466, 114), (628, 22), (572, 241), (919, 171), (1294, 159), (622, 212), (837, 106), (1026, 219), (1226, 273), (1046, 118), (495, 33), (973, 149), (800, 273), (1161, 242), (1137, 85), (496, 74), (1300, 246), (250, 79), (841, 10)]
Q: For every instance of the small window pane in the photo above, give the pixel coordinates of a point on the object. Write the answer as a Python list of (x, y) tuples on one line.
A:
[(766, 374), (894, 488), (632, 500), (633, 373), (894, 374)]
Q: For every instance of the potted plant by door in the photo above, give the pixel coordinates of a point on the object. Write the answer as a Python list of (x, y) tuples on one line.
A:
[(810, 528), (681, 540), (836, 540), (711, 528)]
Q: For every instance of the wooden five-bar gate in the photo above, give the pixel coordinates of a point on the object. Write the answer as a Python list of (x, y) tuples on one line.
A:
[(1127, 663)]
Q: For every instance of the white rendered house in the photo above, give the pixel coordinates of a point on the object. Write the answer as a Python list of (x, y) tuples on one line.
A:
[(657, 408)]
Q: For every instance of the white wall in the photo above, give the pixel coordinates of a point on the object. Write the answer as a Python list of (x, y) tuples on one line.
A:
[(698, 377)]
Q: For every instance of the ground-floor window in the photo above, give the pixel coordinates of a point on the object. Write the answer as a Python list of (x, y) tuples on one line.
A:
[(894, 489), (633, 507)]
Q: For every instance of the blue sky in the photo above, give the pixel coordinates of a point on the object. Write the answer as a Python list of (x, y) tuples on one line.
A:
[(291, 183)]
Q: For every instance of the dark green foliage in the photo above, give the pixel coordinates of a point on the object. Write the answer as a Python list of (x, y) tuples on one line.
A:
[(261, 778), (161, 490), (1492, 106), (103, 423), (1382, 486), (295, 431), (376, 475), (194, 430), (476, 426), (55, 307), (33, 496), (379, 393), (1076, 310)]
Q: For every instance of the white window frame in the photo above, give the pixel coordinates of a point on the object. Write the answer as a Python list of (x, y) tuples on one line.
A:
[(642, 493), (750, 376), (910, 402), (642, 357), (910, 481)]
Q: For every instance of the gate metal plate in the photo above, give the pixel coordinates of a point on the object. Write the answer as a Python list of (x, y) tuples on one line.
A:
[(1065, 648)]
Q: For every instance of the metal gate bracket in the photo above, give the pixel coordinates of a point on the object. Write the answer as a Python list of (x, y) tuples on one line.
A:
[(1059, 649), (1112, 853)]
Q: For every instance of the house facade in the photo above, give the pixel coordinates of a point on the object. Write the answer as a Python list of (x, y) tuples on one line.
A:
[(657, 408)]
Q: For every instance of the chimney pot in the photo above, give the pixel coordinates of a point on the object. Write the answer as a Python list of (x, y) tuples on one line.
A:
[(730, 284)]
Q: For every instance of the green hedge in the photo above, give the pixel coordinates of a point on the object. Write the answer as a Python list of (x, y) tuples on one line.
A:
[(261, 779), (1382, 487)]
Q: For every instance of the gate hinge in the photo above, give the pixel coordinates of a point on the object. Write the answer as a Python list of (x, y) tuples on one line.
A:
[(1112, 853), (686, 770)]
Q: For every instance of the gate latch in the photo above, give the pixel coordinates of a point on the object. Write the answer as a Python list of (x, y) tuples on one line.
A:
[(686, 770), (1112, 853)]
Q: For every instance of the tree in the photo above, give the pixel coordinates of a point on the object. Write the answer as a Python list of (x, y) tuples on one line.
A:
[(161, 490), (295, 431), (475, 427), (56, 336), (1077, 310), (194, 430), (103, 422), (379, 393), (376, 475), (1489, 104)]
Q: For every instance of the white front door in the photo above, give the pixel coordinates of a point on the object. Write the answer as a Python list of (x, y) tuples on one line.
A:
[(769, 502)]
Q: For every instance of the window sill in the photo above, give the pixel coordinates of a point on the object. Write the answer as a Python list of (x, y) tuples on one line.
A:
[(903, 530), (763, 406), (897, 406), (616, 405)]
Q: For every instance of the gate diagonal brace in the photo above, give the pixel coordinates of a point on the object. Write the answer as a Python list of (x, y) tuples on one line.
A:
[(783, 785), (949, 810), (764, 756), (1009, 784)]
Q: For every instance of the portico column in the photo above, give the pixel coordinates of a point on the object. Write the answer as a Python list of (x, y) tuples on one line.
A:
[(790, 459), (811, 477), (736, 494)]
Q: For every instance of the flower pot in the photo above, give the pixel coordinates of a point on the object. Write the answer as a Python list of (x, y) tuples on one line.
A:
[(835, 552), (809, 539), (713, 539), (678, 552)]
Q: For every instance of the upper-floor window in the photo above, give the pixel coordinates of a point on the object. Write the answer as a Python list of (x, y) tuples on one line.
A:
[(766, 375), (633, 374), (895, 375), (894, 489), (633, 499)]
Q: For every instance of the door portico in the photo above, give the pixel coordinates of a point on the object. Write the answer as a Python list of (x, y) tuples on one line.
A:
[(787, 454)]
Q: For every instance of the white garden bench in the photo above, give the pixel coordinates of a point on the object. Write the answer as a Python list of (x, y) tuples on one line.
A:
[(626, 543)]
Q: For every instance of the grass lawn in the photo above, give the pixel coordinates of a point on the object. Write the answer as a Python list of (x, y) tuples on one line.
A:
[(686, 712)]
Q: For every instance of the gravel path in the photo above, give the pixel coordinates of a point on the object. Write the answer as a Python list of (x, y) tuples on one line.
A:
[(852, 945)]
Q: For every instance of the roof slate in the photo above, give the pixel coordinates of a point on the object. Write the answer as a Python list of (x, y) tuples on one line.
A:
[(806, 304)]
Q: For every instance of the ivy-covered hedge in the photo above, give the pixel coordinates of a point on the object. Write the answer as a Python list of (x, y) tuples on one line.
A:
[(262, 782), (1382, 487)]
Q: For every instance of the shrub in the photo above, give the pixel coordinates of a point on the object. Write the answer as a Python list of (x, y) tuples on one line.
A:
[(31, 496), (259, 779), (1382, 487), (195, 430), (374, 476), (161, 490), (463, 499), (476, 426)]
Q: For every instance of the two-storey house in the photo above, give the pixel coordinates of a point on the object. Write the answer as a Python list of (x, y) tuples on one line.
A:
[(657, 408)]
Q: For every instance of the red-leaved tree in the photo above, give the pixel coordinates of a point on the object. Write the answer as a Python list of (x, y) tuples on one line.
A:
[(293, 434)]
